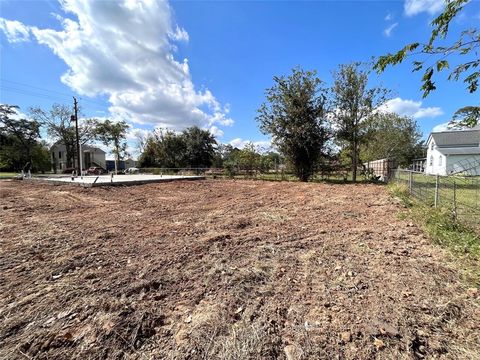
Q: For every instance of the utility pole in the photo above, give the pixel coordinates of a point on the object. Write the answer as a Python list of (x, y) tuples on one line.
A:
[(75, 108)]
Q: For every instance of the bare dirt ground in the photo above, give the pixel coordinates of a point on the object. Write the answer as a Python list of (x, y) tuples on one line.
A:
[(227, 270)]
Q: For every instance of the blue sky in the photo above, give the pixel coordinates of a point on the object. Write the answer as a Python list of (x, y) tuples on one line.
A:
[(208, 63)]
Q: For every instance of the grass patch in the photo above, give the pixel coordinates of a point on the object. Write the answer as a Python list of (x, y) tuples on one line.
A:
[(443, 229), (7, 174)]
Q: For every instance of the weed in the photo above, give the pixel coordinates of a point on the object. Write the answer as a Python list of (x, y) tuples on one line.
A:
[(443, 229)]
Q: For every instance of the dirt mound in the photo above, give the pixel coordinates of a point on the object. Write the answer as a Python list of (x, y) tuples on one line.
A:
[(224, 269)]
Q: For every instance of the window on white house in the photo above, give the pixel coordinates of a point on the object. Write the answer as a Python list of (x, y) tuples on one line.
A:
[(440, 160), (431, 146), (431, 160)]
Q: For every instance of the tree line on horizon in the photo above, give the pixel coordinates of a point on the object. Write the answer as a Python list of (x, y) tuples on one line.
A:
[(311, 126), (21, 143)]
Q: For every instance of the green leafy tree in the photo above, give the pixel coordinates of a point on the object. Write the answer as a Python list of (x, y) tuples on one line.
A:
[(199, 147), (113, 134), (230, 158), (57, 121), (458, 57), (392, 136), (194, 148), (163, 148), (249, 159), (18, 139), (270, 161), (354, 102), (171, 150), (468, 116), (219, 155), (41, 160), (148, 155), (295, 116)]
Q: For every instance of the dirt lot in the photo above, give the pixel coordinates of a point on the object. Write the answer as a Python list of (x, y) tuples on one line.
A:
[(224, 269)]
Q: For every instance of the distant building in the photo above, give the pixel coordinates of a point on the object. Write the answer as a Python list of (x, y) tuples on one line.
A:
[(453, 152), (92, 156), (129, 163), (122, 164), (382, 169), (419, 164)]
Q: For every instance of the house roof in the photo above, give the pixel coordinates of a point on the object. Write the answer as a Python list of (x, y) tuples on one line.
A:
[(85, 147), (454, 138), (90, 148), (460, 151)]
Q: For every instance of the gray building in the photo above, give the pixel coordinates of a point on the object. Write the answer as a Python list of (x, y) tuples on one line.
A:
[(91, 156)]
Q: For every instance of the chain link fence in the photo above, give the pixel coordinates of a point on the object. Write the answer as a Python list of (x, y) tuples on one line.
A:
[(333, 173), (460, 194)]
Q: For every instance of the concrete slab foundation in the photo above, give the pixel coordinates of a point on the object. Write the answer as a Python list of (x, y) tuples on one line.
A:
[(116, 180)]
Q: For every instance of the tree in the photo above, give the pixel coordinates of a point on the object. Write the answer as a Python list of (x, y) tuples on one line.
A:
[(228, 158), (113, 134), (141, 140), (199, 147), (464, 51), (220, 155), (163, 148), (59, 127), (295, 116), (18, 138), (354, 102), (249, 159), (193, 148), (392, 136), (41, 158), (270, 160), (468, 116)]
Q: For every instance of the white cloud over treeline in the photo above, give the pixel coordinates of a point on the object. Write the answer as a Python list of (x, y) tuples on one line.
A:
[(125, 50)]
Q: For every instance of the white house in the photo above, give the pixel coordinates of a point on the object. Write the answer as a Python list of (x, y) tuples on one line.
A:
[(92, 156), (454, 151)]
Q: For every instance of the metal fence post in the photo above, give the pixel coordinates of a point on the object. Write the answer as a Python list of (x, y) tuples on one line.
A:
[(436, 190), (454, 200), (410, 179)]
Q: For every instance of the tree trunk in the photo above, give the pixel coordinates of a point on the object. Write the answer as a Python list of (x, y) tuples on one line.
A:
[(354, 162), (116, 160), (304, 175)]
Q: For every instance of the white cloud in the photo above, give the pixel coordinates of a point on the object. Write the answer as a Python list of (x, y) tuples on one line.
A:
[(179, 34), (241, 143), (14, 31), (388, 17), (388, 30), (215, 131), (414, 7), (441, 127), (124, 49), (411, 108), (448, 127), (135, 133)]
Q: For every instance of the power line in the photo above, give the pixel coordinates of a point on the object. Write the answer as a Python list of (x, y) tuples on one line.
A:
[(29, 93), (2, 80), (34, 87), (40, 95)]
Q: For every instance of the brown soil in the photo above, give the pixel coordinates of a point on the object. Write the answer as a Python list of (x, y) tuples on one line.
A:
[(224, 269)]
